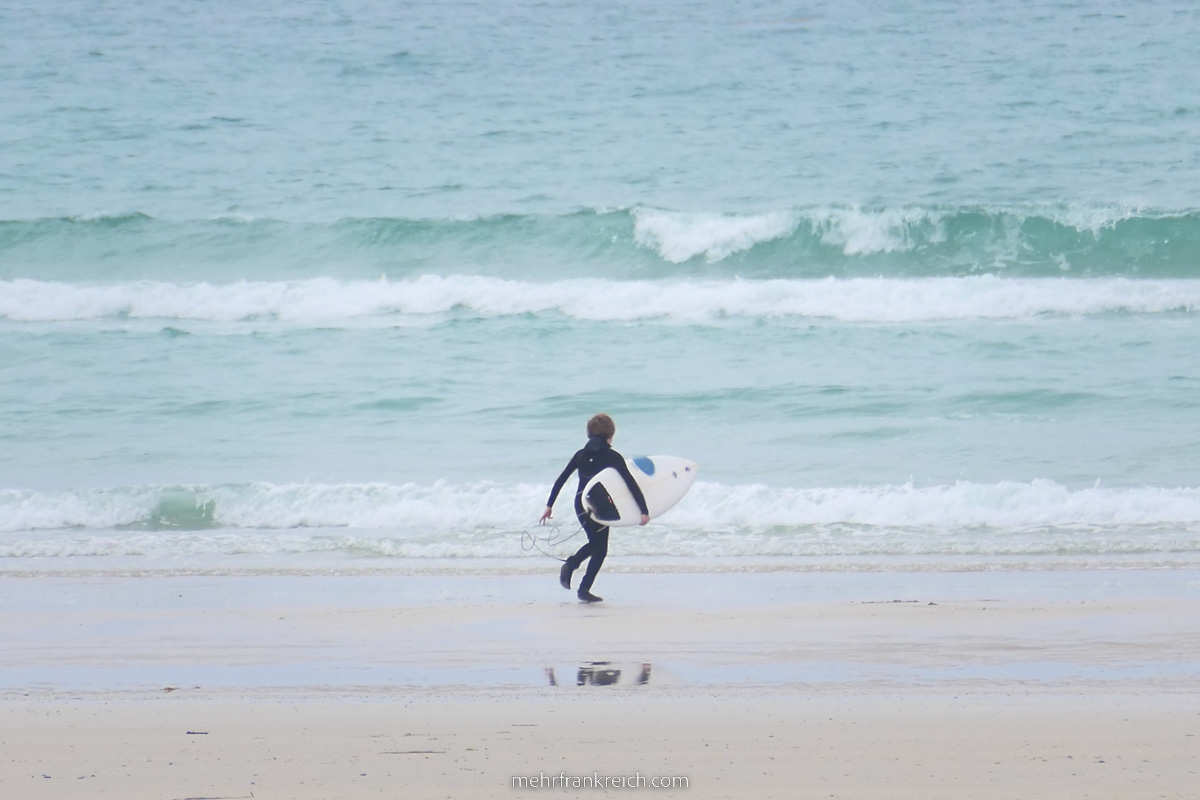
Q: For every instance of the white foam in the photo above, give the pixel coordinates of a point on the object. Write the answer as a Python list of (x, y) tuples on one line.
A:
[(681, 237), (485, 520), (859, 232), (324, 301), (372, 506), (1005, 505), (1093, 219)]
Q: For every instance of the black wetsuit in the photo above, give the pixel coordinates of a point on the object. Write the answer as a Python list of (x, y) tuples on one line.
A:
[(595, 456)]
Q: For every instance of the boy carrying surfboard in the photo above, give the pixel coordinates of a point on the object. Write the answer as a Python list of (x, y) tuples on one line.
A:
[(593, 457)]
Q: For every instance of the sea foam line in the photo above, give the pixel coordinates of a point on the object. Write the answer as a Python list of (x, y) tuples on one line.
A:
[(489, 520), (324, 301), (486, 506)]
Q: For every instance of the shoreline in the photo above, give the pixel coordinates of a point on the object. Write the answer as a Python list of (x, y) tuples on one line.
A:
[(276, 565)]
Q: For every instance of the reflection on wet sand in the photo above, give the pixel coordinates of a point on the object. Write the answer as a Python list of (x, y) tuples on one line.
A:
[(601, 673)]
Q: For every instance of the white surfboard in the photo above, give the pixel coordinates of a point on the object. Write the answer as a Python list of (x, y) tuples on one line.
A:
[(664, 480)]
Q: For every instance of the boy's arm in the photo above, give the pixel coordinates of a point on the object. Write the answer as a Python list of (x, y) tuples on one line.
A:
[(558, 485), (634, 489)]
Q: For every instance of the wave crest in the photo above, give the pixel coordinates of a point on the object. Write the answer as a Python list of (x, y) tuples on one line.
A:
[(682, 237), (817, 241)]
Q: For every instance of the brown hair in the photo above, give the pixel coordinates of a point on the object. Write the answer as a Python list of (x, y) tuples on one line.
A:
[(601, 425)]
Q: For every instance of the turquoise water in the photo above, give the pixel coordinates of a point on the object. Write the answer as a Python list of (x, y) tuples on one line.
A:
[(299, 285)]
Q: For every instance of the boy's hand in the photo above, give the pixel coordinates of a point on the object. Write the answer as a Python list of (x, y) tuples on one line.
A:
[(645, 519), (545, 515)]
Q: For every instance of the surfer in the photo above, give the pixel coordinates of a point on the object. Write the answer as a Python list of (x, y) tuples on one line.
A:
[(595, 456)]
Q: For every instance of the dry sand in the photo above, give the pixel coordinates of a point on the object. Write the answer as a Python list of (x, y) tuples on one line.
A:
[(1010, 685)]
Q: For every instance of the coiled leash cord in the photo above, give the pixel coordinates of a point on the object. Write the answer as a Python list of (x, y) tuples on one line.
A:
[(531, 541)]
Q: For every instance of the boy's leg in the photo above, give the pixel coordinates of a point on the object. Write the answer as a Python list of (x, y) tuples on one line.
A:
[(572, 563), (598, 543), (581, 554), (589, 526)]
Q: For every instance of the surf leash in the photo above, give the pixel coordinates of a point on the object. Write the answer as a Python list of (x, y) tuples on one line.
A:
[(531, 541)]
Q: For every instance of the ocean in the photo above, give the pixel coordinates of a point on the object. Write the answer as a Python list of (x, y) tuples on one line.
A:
[(307, 287)]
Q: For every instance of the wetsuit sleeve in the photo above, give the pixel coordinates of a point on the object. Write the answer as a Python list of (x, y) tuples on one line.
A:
[(634, 489), (562, 479)]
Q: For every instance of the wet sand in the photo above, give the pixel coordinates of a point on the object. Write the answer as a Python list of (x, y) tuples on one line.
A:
[(923, 685)]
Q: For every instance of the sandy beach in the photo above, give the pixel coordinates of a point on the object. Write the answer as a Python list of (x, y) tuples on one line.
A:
[(923, 685)]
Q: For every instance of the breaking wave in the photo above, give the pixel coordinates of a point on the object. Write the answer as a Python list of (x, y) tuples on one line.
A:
[(824, 241), (485, 520)]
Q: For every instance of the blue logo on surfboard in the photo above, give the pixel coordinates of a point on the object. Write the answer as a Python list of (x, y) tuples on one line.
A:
[(644, 464)]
